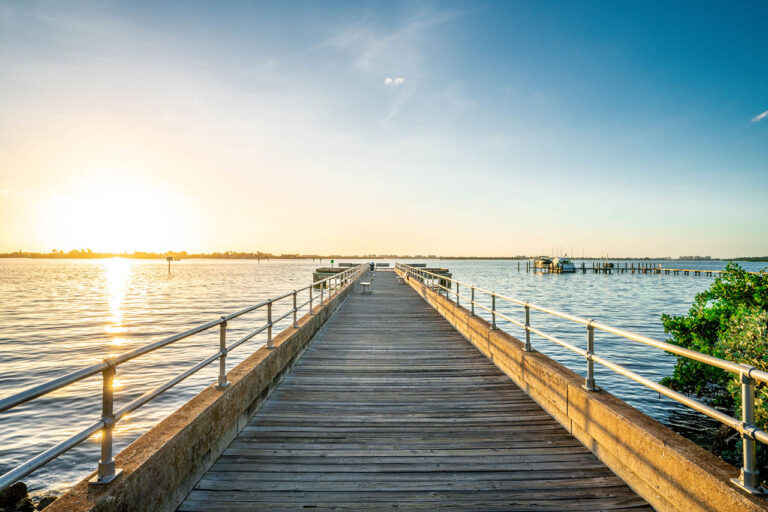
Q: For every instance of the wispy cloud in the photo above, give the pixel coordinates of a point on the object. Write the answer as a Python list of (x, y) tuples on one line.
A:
[(394, 110), (394, 81), (373, 47), (760, 117)]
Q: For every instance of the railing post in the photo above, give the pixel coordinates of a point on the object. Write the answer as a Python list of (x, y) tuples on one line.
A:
[(527, 347), (749, 478), (295, 312), (457, 293), (310, 298), (589, 384), (269, 324), (107, 472), (223, 384), (472, 298), (493, 311)]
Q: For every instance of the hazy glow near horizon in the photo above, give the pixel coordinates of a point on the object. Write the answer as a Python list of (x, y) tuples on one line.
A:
[(436, 128), (117, 212)]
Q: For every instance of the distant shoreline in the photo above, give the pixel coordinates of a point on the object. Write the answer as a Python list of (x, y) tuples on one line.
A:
[(86, 255)]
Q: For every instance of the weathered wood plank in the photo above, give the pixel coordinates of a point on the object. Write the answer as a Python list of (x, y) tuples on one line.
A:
[(391, 407)]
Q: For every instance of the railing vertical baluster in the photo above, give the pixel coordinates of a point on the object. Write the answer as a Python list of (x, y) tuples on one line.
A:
[(310, 298), (749, 478), (295, 311), (107, 472), (269, 323), (223, 384), (589, 384), (527, 347), (472, 299), (493, 311)]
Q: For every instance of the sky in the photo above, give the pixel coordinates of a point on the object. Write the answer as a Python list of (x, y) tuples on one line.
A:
[(452, 128)]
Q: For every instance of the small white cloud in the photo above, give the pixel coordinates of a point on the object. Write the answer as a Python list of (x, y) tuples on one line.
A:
[(760, 117), (394, 81)]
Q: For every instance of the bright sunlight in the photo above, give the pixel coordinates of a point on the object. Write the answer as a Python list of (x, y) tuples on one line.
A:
[(118, 212)]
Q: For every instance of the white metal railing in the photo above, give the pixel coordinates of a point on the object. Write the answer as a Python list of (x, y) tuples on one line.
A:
[(108, 368), (748, 479)]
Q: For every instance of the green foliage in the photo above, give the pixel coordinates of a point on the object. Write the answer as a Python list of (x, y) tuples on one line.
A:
[(746, 341), (709, 328), (729, 321)]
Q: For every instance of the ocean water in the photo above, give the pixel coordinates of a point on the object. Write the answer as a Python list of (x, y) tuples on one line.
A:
[(61, 315)]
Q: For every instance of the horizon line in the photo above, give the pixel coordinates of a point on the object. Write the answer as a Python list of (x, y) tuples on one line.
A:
[(89, 254)]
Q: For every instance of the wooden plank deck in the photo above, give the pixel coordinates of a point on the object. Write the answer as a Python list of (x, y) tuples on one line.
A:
[(390, 408)]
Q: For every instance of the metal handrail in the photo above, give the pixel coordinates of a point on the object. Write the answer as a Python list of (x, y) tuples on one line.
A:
[(749, 478), (108, 368)]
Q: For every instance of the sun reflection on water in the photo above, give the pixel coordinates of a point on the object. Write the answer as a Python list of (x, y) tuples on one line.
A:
[(117, 272)]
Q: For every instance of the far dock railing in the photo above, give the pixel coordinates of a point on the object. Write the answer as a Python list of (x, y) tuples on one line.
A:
[(106, 467), (749, 477), (653, 269)]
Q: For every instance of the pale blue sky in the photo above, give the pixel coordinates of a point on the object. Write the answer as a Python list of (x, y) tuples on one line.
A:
[(492, 128)]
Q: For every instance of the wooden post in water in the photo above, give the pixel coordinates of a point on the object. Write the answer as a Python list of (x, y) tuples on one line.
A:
[(169, 259)]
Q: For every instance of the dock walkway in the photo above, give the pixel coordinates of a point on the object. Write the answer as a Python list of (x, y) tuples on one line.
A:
[(391, 408)]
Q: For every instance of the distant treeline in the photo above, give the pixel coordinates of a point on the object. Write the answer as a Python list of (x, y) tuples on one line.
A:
[(141, 255), (258, 255)]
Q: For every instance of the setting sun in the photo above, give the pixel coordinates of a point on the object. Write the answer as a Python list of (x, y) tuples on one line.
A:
[(110, 211)]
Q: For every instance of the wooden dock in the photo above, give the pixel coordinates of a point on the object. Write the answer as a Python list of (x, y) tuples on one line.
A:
[(390, 408)]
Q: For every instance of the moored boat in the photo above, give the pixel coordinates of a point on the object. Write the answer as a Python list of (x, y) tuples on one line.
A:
[(564, 265), (542, 262)]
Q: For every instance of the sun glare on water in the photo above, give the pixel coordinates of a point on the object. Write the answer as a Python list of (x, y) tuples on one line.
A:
[(117, 272)]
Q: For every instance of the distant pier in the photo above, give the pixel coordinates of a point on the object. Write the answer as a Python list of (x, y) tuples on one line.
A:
[(627, 268)]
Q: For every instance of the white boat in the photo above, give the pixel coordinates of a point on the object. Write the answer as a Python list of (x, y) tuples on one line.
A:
[(563, 265), (542, 262)]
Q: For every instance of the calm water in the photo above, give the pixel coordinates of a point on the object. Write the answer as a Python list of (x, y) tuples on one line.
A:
[(60, 315)]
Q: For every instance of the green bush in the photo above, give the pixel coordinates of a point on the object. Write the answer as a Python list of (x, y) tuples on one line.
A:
[(746, 341), (706, 328), (729, 321)]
